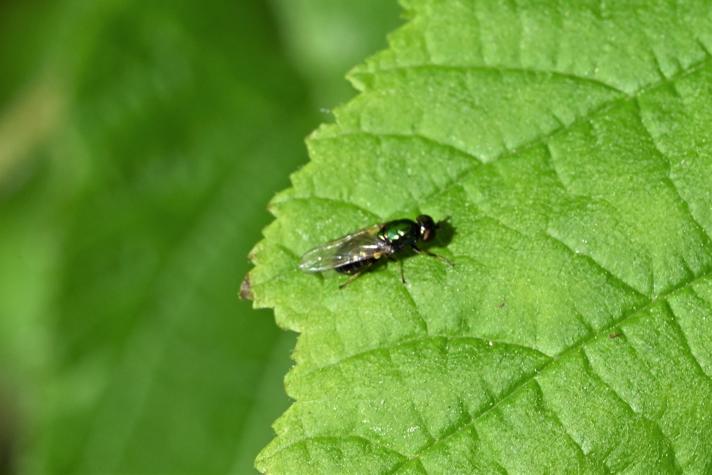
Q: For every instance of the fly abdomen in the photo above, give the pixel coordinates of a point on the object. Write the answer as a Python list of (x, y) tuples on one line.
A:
[(356, 267)]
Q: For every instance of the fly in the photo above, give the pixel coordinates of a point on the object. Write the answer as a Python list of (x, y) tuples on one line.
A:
[(357, 252)]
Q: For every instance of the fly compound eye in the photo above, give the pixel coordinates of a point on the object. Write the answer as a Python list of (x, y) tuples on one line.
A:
[(427, 227)]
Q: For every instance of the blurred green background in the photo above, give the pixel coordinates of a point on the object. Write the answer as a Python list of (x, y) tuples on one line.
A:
[(139, 145)]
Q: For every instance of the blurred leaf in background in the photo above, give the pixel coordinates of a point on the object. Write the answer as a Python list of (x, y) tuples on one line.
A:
[(139, 144), (326, 38)]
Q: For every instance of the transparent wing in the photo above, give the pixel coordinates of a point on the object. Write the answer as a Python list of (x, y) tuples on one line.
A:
[(354, 247)]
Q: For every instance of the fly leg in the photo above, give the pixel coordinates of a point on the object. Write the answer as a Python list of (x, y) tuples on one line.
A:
[(351, 278), (355, 269), (431, 254), (400, 263)]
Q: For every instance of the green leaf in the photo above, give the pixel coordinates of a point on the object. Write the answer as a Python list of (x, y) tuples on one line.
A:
[(569, 144)]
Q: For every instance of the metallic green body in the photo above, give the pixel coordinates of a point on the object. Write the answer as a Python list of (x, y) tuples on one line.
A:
[(400, 233)]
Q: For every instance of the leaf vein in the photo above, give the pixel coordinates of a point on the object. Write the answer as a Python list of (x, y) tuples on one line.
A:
[(396, 136), (416, 411), (590, 369), (673, 185), (500, 70), (335, 438), (687, 349), (551, 413), (418, 313), (412, 341), (619, 282), (336, 201)]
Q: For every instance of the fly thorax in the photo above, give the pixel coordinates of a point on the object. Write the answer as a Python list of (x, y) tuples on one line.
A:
[(400, 233)]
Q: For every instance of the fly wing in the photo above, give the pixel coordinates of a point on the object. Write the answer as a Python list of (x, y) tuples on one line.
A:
[(360, 245)]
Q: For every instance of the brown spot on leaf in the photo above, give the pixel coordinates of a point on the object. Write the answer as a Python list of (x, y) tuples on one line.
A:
[(246, 288)]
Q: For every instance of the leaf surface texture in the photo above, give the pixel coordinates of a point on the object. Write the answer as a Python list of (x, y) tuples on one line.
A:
[(569, 144)]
